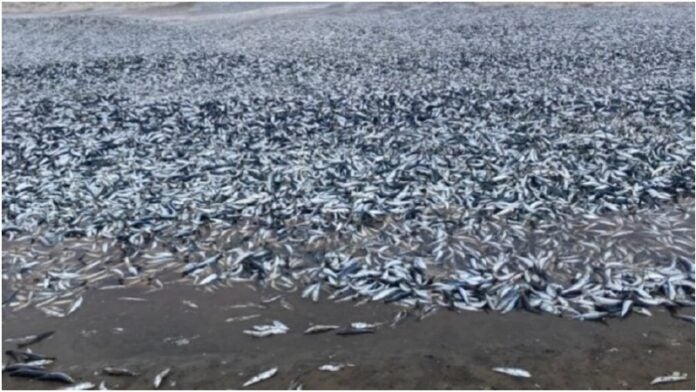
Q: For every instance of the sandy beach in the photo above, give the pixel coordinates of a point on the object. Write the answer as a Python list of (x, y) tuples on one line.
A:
[(448, 350), (176, 174)]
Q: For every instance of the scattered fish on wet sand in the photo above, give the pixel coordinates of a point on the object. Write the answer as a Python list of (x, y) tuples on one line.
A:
[(586, 190), (189, 304), (115, 371), (414, 178), (514, 372), (242, 318), (41, 374), (261, 377), (160, 377), (334, 367), (31, 339), (320, 328), (260, 331), (80, 387), (674, 377)]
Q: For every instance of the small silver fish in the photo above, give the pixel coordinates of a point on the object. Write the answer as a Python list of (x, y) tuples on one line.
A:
[(361, 325), (79, 387), (76, 305), (160, 377), (261, 376), (114, 371), (334, 367), (399, 318), (271, 299), (674, 377), (39, 362), (242, 318), (246, 305), (685, 317), (285, 304), (515, 372), (295, 385), (320, 328), (208, 279), (189, 304), (261, 331), (52, 313)]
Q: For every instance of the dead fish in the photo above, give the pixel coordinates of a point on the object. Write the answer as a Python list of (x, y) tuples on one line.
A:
[(674, 377), (331, 367), (361, 325), (160, 377), (189, 304), (57, 376), (132, 299), (43, 375), (287, 305), (208, 279), (19, 366), (271, 299), (79, 387), (246, 305), (25, 371), (400, 316), (263, 334), (261, 331), (320, 328), (114, 371), (76, 305), (261, 376), (31, 339), (591, 316), (26, 356), (515, 372), (52, 313), (427, 312), (295, 385), (182, 342), (684, 317), (40, 362), (102, 386), (242, 318), (354, 331)]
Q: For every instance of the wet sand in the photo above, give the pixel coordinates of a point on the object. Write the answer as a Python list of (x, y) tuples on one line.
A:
[(448, 350)]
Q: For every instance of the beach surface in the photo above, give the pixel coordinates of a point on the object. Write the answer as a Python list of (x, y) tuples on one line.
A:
[(191, 329), (448, 350)]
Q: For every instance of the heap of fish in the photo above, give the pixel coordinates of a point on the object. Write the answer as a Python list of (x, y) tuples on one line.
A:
[(472, 158)]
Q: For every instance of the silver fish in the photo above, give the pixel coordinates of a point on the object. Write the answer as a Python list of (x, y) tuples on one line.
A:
[(242, 318), (674, 377), (80, 386), (160, 377), (334, 367), (261, 377), (114, 371), (320, 328), (515, 372), (76, 305)]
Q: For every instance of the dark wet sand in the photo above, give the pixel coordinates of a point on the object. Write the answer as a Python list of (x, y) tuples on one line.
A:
[(446, 350)]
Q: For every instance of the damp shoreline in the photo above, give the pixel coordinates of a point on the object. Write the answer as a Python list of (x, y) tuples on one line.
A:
[(448, 350)]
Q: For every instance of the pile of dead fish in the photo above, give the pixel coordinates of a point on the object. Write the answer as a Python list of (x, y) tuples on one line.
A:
[(458, 156), (28, 364)]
